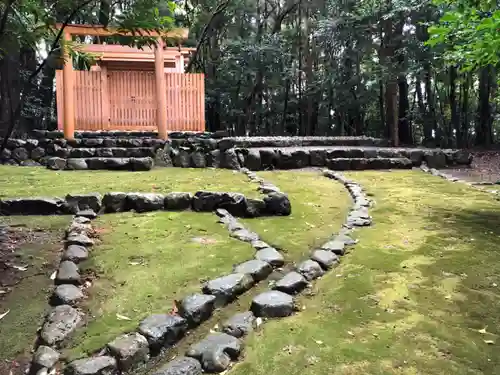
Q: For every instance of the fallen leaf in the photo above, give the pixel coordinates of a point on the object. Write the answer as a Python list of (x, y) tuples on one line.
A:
[(134, 263), (482, 330), (20, 268), (122, 317), (489, 342), (4, 314), (258, 321), (447, 297), (350, 333), (53, 275), (319, 342)]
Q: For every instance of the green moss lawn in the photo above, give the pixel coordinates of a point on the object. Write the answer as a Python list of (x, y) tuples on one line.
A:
[(32, 181), (419, 294)]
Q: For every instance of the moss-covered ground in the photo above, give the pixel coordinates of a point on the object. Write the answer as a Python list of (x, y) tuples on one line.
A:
[(418, 295)]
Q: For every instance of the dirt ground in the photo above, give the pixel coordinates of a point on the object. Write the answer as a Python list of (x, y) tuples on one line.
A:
[(28, 256), (485, 168)]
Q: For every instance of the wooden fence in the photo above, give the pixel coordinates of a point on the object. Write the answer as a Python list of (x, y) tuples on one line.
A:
[(126, 100)]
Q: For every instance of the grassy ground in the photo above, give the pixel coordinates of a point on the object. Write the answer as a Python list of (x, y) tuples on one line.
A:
[(28, 181), (147, 261), (38, 248), (319, 207), (419, 294)]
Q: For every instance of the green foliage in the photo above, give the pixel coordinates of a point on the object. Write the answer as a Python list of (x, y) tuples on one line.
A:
[(469, 32)]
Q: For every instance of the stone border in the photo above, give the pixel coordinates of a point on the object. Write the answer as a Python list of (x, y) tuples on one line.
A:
[(202, 201), (65, 317), (160, 332), (446, 176), (217, 351)]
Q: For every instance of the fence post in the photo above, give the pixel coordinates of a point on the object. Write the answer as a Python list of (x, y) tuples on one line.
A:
[(105, 105), (68, 91), (161, 97)]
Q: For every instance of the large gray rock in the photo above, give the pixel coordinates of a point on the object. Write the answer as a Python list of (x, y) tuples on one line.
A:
[(272, 304), (229, 160), (144, 202), (227, 288), (32, 206), (80, 202), (178, 201), (130, 350), (198, 159), (270, 255), (197, 308), (163, 330), (252, 160), (258, 269), (259, 245), (244, 235), (56, 163), (317, 158), (114, 202), (325, 258), (37, 153), (101, 365), (141, 164), (292, 283), (255, 208), (234, 203), (182, 158), (67, 294), (20, 154), (60, 323), (216, 351), (335, 246), (345, 239), (79, 239), (214, 159), (45, 357), (239, 325), (68, 273), (435, 159), (181, 366), (310, 269), (278, 204)]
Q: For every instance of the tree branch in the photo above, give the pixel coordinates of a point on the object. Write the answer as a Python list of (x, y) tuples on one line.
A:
[(220, 8)]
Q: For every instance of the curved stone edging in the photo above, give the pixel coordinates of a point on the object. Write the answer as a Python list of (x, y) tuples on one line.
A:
[(435, 172), (65, 317), (217, 351), (161, 331)]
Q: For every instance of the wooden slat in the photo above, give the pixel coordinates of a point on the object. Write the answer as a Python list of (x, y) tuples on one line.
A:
[(125, 100)]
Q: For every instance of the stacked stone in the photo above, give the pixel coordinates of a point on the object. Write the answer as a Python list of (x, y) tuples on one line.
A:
[(274, 203), (65, 317)]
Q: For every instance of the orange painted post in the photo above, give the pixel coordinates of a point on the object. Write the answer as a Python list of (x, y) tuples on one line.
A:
[(68, 91), (161, 97)]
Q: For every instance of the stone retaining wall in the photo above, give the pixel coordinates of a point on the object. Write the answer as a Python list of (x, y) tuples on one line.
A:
[(236, 204), (140, 154)]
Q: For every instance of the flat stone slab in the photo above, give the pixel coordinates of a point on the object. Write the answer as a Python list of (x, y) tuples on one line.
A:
[(79, 239), (197, 308), (80, 202), (101, 365), (75, 253), (325, 258), (347, 240), (130, 350), (181, 366), (68, 273), (257, 269), (163, 329), (239, 325), (310, 269), (292, 283), (259, 245), (245, 235), (227, 288), (45, 357), (178, 201), (270, 255), (67, 294), (89, 214), (334, 246), (272, 304), (216, 351), (60, 323)]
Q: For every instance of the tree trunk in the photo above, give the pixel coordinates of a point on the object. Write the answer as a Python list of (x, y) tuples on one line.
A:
[(455, 116), (483, 124)]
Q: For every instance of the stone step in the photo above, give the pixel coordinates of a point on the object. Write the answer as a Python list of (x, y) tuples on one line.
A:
[(107, 152), (279, 142), (120, 164), (360, 164)]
